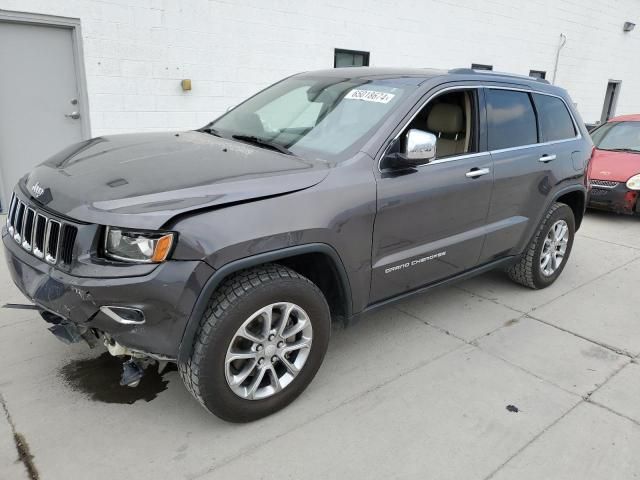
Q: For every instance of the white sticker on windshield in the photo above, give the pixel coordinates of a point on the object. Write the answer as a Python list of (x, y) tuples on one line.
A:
[(369, 96)]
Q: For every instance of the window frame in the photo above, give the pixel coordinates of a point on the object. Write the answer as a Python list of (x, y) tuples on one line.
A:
[(482, 122), (541, 133), (535, 117), (365, 55), (530, 92), (476, 107), (480, 118)]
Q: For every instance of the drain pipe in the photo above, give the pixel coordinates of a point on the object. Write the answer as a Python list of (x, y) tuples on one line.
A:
[(563, 41)]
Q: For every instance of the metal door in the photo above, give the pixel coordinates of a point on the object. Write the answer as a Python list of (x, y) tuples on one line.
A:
[(610, 100), (40, 111)]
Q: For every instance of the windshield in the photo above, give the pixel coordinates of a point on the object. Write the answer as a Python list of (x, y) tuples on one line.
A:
[(623, 136), (325, 117)]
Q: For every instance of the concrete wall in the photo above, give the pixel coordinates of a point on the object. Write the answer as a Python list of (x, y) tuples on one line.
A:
[(137, 51)]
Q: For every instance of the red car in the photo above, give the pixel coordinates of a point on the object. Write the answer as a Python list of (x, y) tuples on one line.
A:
[(614, 170)]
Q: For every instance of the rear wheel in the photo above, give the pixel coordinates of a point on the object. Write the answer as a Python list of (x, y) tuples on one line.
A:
[(549, 249), (260, 343)]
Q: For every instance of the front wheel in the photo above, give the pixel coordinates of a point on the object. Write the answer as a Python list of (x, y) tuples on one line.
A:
[(547, 253), (260, 343)]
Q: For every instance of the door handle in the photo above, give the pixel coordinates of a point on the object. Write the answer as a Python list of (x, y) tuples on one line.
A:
[(547, 158), (73, 115), (477, 172)]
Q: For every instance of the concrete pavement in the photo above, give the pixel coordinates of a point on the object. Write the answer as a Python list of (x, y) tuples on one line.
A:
[(416, 390)]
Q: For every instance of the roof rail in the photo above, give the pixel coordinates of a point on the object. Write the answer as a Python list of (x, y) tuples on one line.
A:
[(491, 72)]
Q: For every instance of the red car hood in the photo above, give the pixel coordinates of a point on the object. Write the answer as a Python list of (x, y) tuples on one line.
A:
[(615, 166)]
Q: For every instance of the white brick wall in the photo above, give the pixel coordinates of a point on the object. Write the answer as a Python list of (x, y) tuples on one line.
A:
[(137, 51)]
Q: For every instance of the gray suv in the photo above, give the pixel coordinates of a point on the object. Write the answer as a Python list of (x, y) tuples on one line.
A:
[(230, 249)]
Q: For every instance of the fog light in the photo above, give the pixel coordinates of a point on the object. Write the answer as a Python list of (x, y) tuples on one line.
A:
[(124, 315)]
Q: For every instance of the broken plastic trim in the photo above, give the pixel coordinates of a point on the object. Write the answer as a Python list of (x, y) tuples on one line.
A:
[(21, 306), (118, 350), (68, 332)]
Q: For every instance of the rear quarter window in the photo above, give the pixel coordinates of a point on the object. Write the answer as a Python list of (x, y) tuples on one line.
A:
[(555, 120), (511, 119)]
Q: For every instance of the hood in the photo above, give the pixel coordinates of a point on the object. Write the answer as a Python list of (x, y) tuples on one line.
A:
[(614, 166), (143, 180)]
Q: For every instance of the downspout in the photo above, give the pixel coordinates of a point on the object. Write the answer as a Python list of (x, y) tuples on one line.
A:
[(563, 41)]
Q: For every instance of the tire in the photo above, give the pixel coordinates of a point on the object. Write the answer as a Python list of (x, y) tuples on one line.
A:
[(208, 374), (529, 271)]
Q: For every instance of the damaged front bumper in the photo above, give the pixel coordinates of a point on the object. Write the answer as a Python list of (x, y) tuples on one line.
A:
[(617, 199), (76, 305)]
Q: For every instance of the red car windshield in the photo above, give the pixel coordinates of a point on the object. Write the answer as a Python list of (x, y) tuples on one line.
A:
[(617, 136)]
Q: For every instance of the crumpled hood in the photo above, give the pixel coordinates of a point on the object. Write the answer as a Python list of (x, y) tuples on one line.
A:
[(614, 166), (143, 180)]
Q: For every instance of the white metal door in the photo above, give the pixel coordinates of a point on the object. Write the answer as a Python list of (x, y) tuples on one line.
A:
[(39, 98)]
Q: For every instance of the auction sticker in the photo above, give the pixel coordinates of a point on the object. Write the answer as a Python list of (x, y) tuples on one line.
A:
[(369, 96)]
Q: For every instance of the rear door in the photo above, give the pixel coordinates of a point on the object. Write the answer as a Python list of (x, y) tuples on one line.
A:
[(430, 220), (530, 138)]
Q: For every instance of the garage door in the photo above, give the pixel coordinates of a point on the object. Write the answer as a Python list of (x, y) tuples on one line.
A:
[(40, 105)]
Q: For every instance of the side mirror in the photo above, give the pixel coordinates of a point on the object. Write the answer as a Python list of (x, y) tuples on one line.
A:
[(419, 148)]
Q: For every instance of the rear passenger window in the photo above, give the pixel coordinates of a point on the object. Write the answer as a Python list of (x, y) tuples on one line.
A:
[(555, 120), (511, 119)]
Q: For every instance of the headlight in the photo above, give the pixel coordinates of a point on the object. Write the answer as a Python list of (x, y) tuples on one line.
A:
[(634, 182), (141, 247)]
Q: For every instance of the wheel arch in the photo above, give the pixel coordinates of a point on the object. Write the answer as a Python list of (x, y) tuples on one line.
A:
[(317, 261), (576, 199)]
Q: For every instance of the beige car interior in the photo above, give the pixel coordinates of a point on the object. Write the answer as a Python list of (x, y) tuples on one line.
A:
[(448, 117)]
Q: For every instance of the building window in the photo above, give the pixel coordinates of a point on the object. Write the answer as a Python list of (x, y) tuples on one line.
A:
[(481, 66), (537, 74), (350, 58)]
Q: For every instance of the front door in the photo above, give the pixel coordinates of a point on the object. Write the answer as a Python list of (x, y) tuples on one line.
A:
[(430, 220), (38, 97)]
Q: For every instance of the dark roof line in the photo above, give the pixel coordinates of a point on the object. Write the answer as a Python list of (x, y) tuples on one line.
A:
[(468, 71)]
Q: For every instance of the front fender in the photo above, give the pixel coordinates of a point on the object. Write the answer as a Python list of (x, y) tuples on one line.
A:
[(193, 323)]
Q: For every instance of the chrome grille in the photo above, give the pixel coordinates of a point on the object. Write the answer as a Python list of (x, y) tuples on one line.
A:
[(38, 233), (604, 184)]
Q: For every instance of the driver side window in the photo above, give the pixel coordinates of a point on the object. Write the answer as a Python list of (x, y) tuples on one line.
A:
[(451, 117)]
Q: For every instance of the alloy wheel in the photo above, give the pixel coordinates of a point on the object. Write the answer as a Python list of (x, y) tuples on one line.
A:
[(268, 351), (554, 248)]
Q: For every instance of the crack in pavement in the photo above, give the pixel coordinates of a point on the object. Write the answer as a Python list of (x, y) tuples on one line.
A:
[(583, 400), (619, 351), (347, 401), (535, 437), (608, 241), (577, 287), (609, 409), (24, 454), (495, 300), (474, 343)]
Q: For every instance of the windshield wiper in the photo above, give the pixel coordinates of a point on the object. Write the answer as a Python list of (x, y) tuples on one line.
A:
[(262, 143), (630, 150), (212, 131)]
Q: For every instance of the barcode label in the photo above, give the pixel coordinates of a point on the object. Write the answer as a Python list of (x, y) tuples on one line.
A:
[(369, 96)]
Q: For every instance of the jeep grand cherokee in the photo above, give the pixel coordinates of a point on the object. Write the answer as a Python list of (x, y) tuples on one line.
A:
[(230, 249)]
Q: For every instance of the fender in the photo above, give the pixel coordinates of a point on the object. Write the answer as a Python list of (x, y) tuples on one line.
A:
[(191, 329), (569, 189), (576, 187)]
